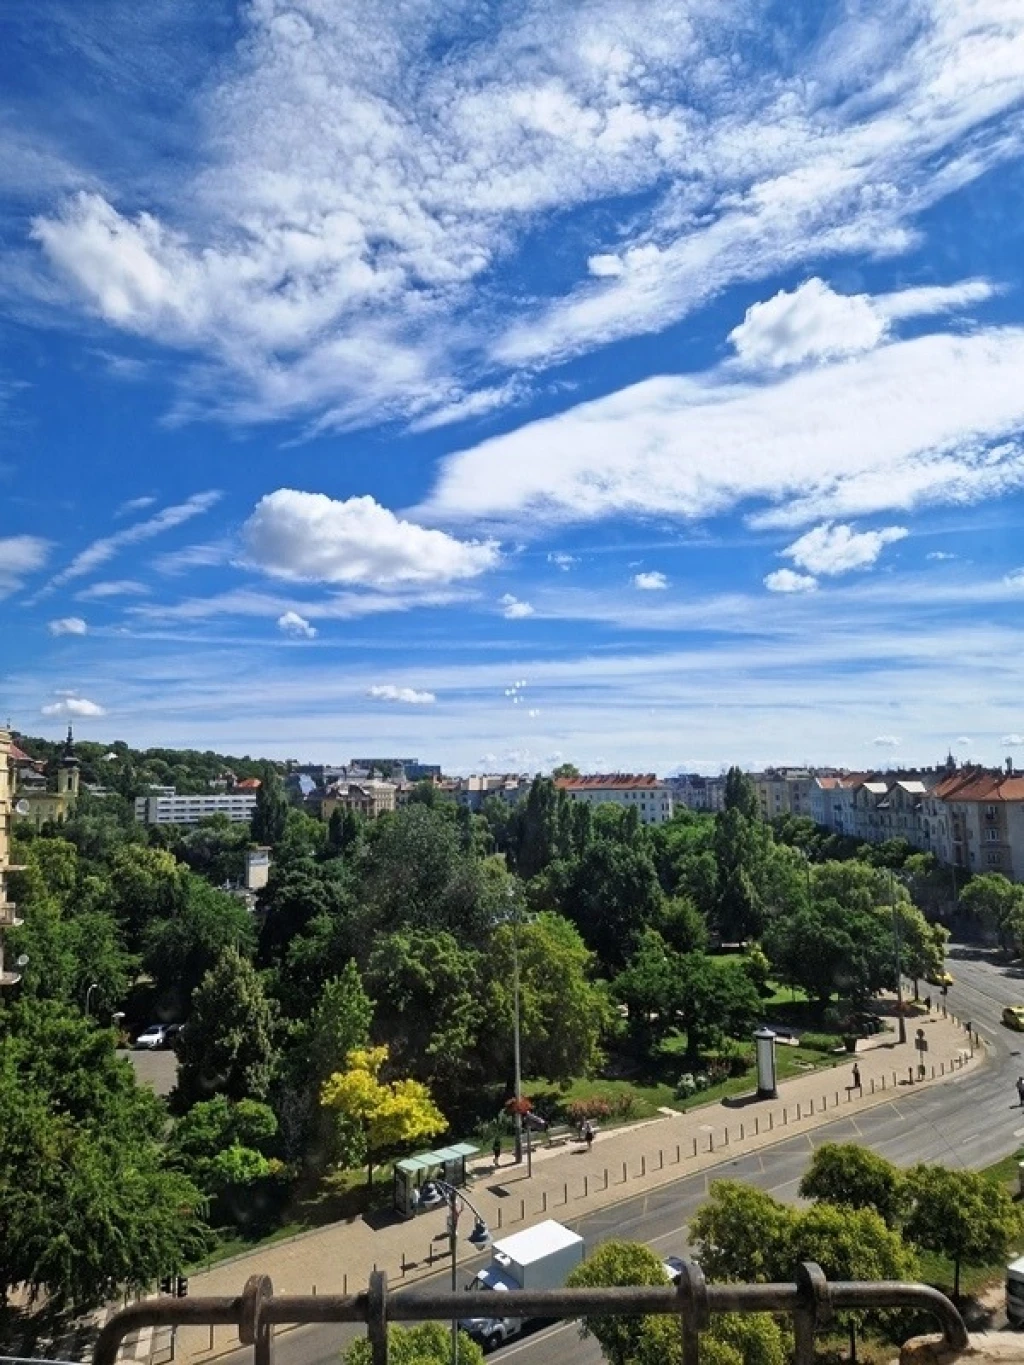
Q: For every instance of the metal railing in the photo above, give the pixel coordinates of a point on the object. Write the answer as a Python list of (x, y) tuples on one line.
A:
[(811, 1301)]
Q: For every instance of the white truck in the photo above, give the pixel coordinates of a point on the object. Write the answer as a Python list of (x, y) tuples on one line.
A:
[(542, 1257), (1015, 1292)]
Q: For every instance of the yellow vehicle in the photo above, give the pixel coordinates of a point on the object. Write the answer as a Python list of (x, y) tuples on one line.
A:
[(1013, 1017), (942, 978)]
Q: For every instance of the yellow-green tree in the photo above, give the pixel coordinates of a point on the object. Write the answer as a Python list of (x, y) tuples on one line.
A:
[(390, 1113)]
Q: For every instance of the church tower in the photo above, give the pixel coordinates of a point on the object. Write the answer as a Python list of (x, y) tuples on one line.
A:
[(68, 774)]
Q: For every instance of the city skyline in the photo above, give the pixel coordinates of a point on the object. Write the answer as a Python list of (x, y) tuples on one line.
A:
[(639, 390)]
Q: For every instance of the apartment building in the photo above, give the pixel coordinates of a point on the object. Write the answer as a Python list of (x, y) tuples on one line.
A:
[(783, 791), (8, 910), (976, 817), (474, 790), (368, 797), (171, 809), (646, 793), (697, 792)]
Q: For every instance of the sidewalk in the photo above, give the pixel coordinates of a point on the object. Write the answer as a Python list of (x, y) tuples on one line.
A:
[(569, 1181)]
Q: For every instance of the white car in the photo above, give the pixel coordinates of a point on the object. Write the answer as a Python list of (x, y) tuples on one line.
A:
[(673, 1267), (152, 1038)]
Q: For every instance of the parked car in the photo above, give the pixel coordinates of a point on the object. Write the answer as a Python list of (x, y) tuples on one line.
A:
[(153, 1038), (673, 1267), (1013, 1017)]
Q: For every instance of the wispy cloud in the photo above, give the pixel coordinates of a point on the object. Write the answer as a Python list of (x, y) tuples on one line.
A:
[(134, 505), (105, 549), (189, 557), (67, 625), (20, 556), (116, 587), (349, 195)]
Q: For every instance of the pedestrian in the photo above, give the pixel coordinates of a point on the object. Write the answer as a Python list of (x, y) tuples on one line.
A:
[(856, 1078), (588, 1134), (496, 1149), (1020, 1090)]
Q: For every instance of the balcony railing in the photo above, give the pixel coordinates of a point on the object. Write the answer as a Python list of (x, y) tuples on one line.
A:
[(812, 1302)]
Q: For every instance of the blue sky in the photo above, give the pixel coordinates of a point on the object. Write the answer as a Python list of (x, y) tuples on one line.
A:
[(635, 384)]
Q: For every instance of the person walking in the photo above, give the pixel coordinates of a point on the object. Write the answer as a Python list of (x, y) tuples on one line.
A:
[(856, 1078), (588, 1134), (1020, 1090), (496, 1149)]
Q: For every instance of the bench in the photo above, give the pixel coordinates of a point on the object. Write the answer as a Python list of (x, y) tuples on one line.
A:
[(558, 1134)]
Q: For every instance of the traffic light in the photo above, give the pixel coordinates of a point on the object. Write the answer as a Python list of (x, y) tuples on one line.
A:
[(182, 1286), (167, 1284)]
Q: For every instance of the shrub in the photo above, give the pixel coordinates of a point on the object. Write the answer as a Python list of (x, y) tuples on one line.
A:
[(588, 1107), (820, 1042), (686, 1086)]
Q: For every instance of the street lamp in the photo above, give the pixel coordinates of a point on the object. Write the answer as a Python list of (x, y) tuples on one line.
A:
[(480, 1236), (899, 963), (88, 996), (517, 1057)]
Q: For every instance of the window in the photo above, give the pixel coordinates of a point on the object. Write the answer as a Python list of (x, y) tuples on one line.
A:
[(992, 835), (993, 859)]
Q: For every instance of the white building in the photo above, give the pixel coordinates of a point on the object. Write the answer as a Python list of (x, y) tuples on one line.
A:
[(643, 792), (189, 810)]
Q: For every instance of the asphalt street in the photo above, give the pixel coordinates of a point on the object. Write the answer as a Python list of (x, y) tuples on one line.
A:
[(971, 1122)]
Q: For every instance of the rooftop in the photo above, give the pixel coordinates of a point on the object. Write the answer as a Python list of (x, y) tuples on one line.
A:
[(613, 781)]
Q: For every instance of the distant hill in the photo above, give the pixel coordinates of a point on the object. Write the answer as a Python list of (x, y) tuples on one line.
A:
[(130, 771)]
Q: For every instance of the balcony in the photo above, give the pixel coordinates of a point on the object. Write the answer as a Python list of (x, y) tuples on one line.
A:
[(811, 1302), (9, 915)]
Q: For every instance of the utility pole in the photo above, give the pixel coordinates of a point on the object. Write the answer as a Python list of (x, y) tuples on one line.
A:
[(515, 1034), (899, 965)]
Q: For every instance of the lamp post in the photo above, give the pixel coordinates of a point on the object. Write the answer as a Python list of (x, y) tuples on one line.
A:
[(899, 964), (480, 1236), (88, 996), (516, 1052)]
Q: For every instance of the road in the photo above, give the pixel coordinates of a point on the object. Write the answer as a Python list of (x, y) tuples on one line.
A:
[(971, 1122)]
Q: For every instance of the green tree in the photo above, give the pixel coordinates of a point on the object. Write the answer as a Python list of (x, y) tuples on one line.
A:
[(428, 1344), (852, 1175), (964, 1215), (649, 989), (618, 1263), (564, 1013), (88, 1206), (390, 1113), (429, 1010), (741, 794), (226, 1047), (716, 999), (178, 951), (993, 899), (827, 947), (270, 817), (741, 1233), (612, 896)]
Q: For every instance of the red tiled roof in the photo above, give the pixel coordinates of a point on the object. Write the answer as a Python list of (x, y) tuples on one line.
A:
[(612, 781), (975, 784), (248, 784)]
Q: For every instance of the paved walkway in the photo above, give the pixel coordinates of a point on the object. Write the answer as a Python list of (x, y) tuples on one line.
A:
[(568, 1181)]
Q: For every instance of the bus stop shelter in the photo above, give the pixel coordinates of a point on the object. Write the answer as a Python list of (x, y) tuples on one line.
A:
[(412, 1173)]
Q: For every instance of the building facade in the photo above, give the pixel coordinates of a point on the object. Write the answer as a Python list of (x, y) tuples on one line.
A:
[(164, 809), (367, 797), (8, 910), (645, 793), (36, 801), (977, 820), (697, 792)]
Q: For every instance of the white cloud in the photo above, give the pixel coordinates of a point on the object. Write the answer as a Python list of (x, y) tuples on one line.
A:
[(349, 189), (311, 537), (910, 423), (133, 505), (407, 696), (67, 625), (812, 322), (655, 581), (513, 609), (20, 556), (785, 580), (563, 561), (887, 741), (533, 712), (73, 706), (119, 587), (1013, 740), (293, 624), (342, 606), (100, 551), (940, 554), (835, 549)]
